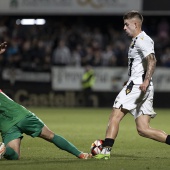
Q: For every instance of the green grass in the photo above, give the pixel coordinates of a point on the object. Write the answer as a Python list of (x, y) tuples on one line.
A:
[(82, 126)]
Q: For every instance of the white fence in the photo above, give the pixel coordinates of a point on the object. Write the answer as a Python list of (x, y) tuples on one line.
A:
[(69, 78), (107, 79)]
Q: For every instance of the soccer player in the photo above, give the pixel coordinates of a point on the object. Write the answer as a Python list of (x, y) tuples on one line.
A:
[(88, 81), (136, 96), (16, 120)]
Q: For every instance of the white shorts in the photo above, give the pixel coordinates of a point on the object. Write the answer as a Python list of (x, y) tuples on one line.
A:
[(135, 101)]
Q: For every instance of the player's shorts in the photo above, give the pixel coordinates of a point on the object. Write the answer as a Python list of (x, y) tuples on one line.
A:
[(30, 125), (135, 101)]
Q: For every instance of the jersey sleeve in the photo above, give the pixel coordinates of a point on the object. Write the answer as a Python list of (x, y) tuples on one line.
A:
[(146, 46)]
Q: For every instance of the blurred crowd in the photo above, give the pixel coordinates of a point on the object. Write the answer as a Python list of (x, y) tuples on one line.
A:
[(77, 41)]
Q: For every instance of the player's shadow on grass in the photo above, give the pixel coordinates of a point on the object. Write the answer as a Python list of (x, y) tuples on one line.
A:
[(41, 162), (70, 160), (134, 157), (125, 156)]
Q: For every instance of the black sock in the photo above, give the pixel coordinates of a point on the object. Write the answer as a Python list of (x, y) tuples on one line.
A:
[(108, 142), (168, 140)]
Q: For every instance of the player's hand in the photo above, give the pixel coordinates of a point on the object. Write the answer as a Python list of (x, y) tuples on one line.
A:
[(3, 47), (143, 87)]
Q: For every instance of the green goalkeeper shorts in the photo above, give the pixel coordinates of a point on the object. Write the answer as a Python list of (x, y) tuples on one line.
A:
[(31, 125)]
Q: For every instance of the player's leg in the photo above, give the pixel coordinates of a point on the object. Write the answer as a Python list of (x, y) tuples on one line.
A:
[(114, 121), (144, 129), (143, 120), (124, 102), (35, 127), (111, 132), (13, 150), (62, 143), (12, 140)]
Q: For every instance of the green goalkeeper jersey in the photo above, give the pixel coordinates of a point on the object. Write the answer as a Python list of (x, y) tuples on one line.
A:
[(10, 112)]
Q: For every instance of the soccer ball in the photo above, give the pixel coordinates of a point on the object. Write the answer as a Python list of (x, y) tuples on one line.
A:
[(2, 149), (96, 147)]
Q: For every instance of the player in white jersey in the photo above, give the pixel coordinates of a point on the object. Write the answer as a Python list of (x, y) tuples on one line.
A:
[(136, 96)]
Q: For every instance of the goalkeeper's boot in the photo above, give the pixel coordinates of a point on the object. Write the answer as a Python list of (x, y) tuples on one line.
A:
[(2, 149), (85, 156)]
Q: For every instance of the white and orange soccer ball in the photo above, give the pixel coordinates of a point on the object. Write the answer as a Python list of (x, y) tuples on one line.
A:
[(96, 147), (2, 149)]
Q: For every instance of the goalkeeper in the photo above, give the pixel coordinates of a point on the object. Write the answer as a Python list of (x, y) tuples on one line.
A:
[(16, 120)]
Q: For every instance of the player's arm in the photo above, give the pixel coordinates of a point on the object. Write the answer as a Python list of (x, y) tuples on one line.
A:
[(151, 64), (3, 47)]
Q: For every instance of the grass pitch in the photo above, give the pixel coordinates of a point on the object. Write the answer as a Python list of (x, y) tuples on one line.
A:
[(82, 126)]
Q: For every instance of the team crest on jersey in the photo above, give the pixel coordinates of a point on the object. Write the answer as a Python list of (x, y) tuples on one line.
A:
[(129, 87), (128, 91)]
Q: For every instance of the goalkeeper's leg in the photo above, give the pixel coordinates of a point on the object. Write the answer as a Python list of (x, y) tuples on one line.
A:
[(10, 154), (62, 143), (11, 150)]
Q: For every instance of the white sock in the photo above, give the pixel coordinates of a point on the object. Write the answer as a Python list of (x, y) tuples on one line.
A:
[(106, 150)]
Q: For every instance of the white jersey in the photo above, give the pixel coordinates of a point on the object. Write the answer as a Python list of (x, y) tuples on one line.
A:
[(131, 97), (141, 46)]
